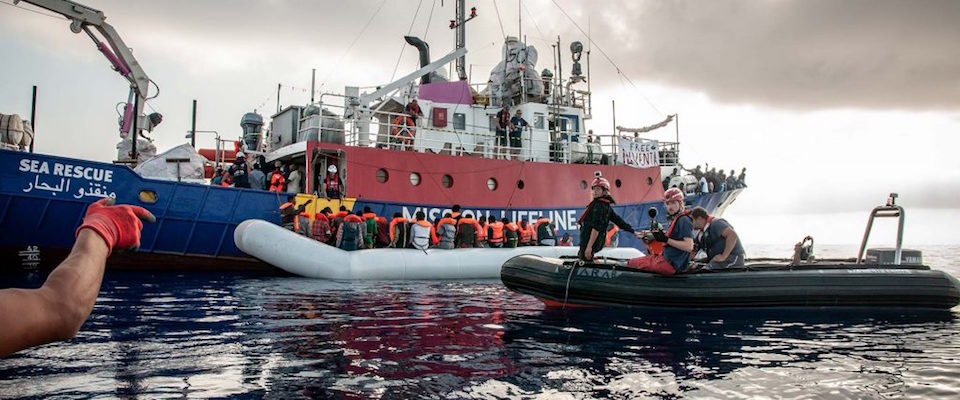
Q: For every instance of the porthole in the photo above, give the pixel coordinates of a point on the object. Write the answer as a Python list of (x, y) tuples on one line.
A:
[(382, 175), (649, 181), (583, 185), (618, 183), (520, 184), (447, 181), (414, 178), (148, 196), (491, 184)]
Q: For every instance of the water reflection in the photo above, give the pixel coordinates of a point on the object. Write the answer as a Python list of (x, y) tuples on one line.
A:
[(631, 353), (218, 336)]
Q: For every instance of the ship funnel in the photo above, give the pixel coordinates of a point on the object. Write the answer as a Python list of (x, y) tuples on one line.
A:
[(424, 50)]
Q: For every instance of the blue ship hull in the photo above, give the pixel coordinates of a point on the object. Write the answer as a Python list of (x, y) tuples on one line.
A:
[(43, 198)]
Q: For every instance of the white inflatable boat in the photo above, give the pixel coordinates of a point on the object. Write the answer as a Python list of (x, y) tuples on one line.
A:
[(306, 257)]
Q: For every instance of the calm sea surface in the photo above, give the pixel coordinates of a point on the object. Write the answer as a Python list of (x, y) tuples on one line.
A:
[(203, 335)]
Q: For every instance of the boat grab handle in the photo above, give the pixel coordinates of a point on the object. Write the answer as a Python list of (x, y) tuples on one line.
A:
[(890, 210)]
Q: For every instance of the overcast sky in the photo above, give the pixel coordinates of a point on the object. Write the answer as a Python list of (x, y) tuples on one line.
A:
[(829, 104)]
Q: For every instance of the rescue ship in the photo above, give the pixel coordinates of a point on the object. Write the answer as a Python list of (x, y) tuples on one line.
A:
[(450, 155)]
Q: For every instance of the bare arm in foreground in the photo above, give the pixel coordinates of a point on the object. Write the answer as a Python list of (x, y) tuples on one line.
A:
[(57, 310)]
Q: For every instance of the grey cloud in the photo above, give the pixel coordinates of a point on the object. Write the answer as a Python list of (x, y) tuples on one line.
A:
[(795, 54)]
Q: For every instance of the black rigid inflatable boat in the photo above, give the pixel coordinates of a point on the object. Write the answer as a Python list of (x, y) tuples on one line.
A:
[(877, 278), (559, 282)]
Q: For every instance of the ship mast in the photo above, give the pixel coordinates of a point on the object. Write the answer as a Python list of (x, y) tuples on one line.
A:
[(461, 35)]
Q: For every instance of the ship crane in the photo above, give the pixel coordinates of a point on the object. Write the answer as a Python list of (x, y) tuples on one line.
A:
[(81, 19)]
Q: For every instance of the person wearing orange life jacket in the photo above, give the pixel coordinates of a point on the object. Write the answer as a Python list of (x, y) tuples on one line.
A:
[(413, 110), (404, 131), (227, 180), (351, 233), (321, 226), (422, 233), (370, 233), (336, 220), (511, 233), (482, 233), (612, 239), (277, 181), (544, 233), (468, 232), (398, 231), (495, 235), (447, 232), (289, 212), (526, 233), (302, 224), (593, 222), (676, 243), (332, 184)]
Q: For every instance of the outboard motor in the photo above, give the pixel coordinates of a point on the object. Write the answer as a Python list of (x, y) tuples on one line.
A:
[(251, 123), (803, 251)]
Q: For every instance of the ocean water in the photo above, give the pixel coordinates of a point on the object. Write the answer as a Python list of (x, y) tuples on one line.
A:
[(192, 335)]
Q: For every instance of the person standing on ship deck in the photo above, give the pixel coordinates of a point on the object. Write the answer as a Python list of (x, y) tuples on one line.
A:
[(518, 124), (413, 110), (240, 171), (332, 184), (294, 179), (257, 178), (503, 125)]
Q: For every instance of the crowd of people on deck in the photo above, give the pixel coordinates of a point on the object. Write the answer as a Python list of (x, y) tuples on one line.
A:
[(281, 179), (709, 180), (456, 229)]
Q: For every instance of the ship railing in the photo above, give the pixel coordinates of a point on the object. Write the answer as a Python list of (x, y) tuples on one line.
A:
[(575, 98), (669, 153), (475, 140)]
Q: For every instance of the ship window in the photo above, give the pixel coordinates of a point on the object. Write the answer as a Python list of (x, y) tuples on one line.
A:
[(148, 196), (414, 178), (491, 184), (520, 184), (459, 121), (649, 181), (583, 185), (382, 175), (493, 122), (447, 181), (618, 183), (537, 120)]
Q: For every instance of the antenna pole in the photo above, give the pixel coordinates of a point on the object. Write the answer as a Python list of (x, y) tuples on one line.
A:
[(313, 80), (461, 36), (33, 118), (193, 126)]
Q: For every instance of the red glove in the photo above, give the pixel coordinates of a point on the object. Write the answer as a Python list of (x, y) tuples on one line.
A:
[(119, 226)]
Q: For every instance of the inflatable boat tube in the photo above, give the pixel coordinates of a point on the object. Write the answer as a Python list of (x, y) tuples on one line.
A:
[(306, 257), (824, 284)]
